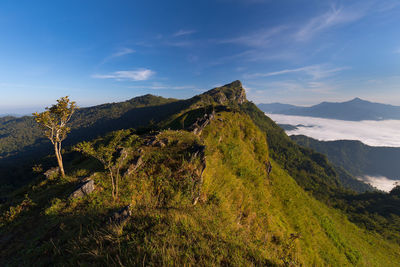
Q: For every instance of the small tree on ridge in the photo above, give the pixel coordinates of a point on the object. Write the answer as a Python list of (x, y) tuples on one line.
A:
[(54, 123)]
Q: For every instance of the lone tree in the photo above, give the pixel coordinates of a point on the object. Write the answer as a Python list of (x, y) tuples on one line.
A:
[(111, 153), (54, 123)]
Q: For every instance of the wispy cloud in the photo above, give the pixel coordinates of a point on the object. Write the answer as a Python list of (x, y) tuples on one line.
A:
[(179, 43), (387, 5), (255, 55), (161, 86), (335, 16), (315, 71), (246, 1), (122, 52), (259, 38), (397, 51), (119, 53), (183, 33), (132, 75)]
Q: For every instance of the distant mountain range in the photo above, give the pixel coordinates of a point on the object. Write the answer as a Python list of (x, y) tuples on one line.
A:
[(353, 110), (10, 115)]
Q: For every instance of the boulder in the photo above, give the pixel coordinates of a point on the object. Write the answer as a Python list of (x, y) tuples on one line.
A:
[(268, 167), (198, 152), (121, 215), (50, 173), (201, 123), (136, 163), (84, 188)]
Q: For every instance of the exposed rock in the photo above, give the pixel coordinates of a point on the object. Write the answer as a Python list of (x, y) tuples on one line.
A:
[(201, 123), (160, 143), (269, 167), (136, 163), (50, 173), (152, 140), (199, 152), (84, 188), (230, 92), (124, 154), (122, 215)]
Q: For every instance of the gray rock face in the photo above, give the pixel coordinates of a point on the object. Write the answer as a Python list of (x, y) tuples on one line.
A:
[(230, 92), (83, 189), (153, 140), (199, 152), (50, 173), (136, 163), (269, 167), (122, 215), (198, 127)]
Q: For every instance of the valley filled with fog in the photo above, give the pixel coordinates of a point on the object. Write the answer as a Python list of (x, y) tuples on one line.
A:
[(372, 133), (384, 133)]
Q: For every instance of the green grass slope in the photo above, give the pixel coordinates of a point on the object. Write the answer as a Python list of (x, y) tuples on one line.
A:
[(309, 168), (243, 216)]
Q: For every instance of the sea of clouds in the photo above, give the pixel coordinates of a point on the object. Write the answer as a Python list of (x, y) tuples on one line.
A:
[(372, 133), (380, 182)]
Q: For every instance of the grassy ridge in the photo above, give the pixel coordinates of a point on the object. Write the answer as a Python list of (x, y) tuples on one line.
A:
[(243, 217)]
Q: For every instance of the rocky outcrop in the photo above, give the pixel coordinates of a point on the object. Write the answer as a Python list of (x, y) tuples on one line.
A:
[(50, 173), (84, 188), (268, 167), (136, 163), (199, 125), (233, 92), (153, 140), (122, 215), (198, 152)]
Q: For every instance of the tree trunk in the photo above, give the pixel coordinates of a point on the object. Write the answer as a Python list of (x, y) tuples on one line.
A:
[(112, 184), (117, 182), (57, 149)]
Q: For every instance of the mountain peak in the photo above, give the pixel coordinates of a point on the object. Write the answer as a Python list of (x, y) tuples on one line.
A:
[(233, 91), (357, 99)]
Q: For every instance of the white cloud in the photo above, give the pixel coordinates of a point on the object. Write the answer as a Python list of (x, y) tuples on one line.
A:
[(119, 53), (122, 52), (380, 182), (397, 51), (334, 17), (159, 86), (183, 33), (373, 133), (260, 38), (388, 5), (179, 43), (315, 71), (133, 75)]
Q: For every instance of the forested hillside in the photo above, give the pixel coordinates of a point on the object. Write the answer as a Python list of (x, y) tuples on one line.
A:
[(22, 142), (359, 159), (214, 183)]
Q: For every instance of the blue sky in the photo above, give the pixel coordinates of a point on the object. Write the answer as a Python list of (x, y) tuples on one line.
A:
[(291, 51)]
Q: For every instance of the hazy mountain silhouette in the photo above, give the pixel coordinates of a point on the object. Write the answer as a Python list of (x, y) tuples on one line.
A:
[(354, 110)]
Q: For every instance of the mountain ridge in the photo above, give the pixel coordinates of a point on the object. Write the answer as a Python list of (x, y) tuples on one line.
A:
[(250, 210), (353, 110)]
